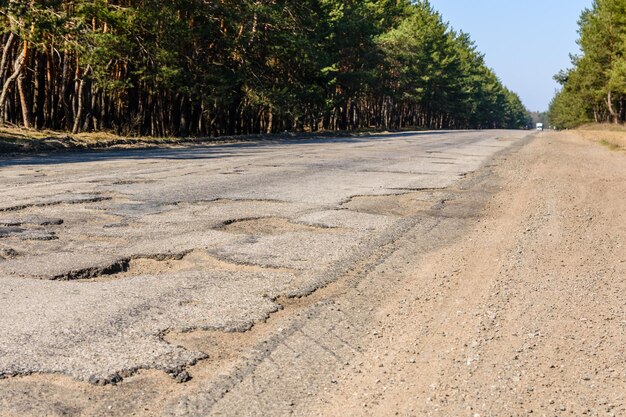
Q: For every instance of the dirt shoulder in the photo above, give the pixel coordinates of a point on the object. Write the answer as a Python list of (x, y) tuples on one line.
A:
[(524, 315)]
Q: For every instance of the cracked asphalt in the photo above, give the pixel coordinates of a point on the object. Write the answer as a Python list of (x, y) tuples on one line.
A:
[(102, 254)]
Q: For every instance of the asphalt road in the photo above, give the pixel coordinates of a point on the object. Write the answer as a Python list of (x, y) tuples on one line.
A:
[(103, 254)]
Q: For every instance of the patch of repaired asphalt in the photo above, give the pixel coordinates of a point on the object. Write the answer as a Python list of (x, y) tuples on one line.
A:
[(104, 330)]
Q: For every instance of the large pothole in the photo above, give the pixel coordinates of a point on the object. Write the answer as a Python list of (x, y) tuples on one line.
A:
[(270, 226), (194, 260), (404, 205), (27, 234)]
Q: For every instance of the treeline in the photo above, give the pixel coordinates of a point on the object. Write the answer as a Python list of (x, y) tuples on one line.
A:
[(197, 67), (594, 89)]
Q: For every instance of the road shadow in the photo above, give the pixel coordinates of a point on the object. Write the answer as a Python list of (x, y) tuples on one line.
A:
[(205, 151)]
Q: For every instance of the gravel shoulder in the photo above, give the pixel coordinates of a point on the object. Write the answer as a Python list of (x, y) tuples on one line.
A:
[(524, 315)]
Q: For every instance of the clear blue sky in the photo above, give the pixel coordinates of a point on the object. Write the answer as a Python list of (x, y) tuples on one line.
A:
[(525, 42)]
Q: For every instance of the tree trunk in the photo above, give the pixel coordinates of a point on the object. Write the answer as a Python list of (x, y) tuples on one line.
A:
[(17, 69), (79, 107), (40, 90), (83, 85), (24, 102), (185, 116), (609, 103), (5, 54), (65, 94), (270, 121)]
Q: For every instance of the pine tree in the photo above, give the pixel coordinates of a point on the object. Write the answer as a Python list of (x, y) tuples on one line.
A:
[(191, 67)]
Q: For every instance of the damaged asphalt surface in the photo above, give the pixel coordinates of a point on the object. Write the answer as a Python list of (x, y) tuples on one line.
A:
[(103, 255)]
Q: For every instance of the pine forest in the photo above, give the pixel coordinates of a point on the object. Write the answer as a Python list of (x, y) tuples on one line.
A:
[(594, 89), (229, 67)]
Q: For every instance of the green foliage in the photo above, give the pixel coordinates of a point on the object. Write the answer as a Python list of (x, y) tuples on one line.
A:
[(595, 88)]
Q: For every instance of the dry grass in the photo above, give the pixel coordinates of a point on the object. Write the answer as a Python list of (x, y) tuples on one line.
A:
[(610, 145), (610, 135), (604, 127), (15, 140), (17, 134)]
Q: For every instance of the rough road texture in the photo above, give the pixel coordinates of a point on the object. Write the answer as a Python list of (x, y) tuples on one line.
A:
[(104, 270), (437, 290)]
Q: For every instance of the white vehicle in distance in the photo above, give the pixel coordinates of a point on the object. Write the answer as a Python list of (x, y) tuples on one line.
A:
[(539, 126)]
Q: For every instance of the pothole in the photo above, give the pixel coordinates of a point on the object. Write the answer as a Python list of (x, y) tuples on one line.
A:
[(270, 226), (224, 349), (31, 220), (132, 182), (221, 346), (57, 200), (404, 205), (194, 260), (29, 228), (27, 234), (8, 253), (458, 209)]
